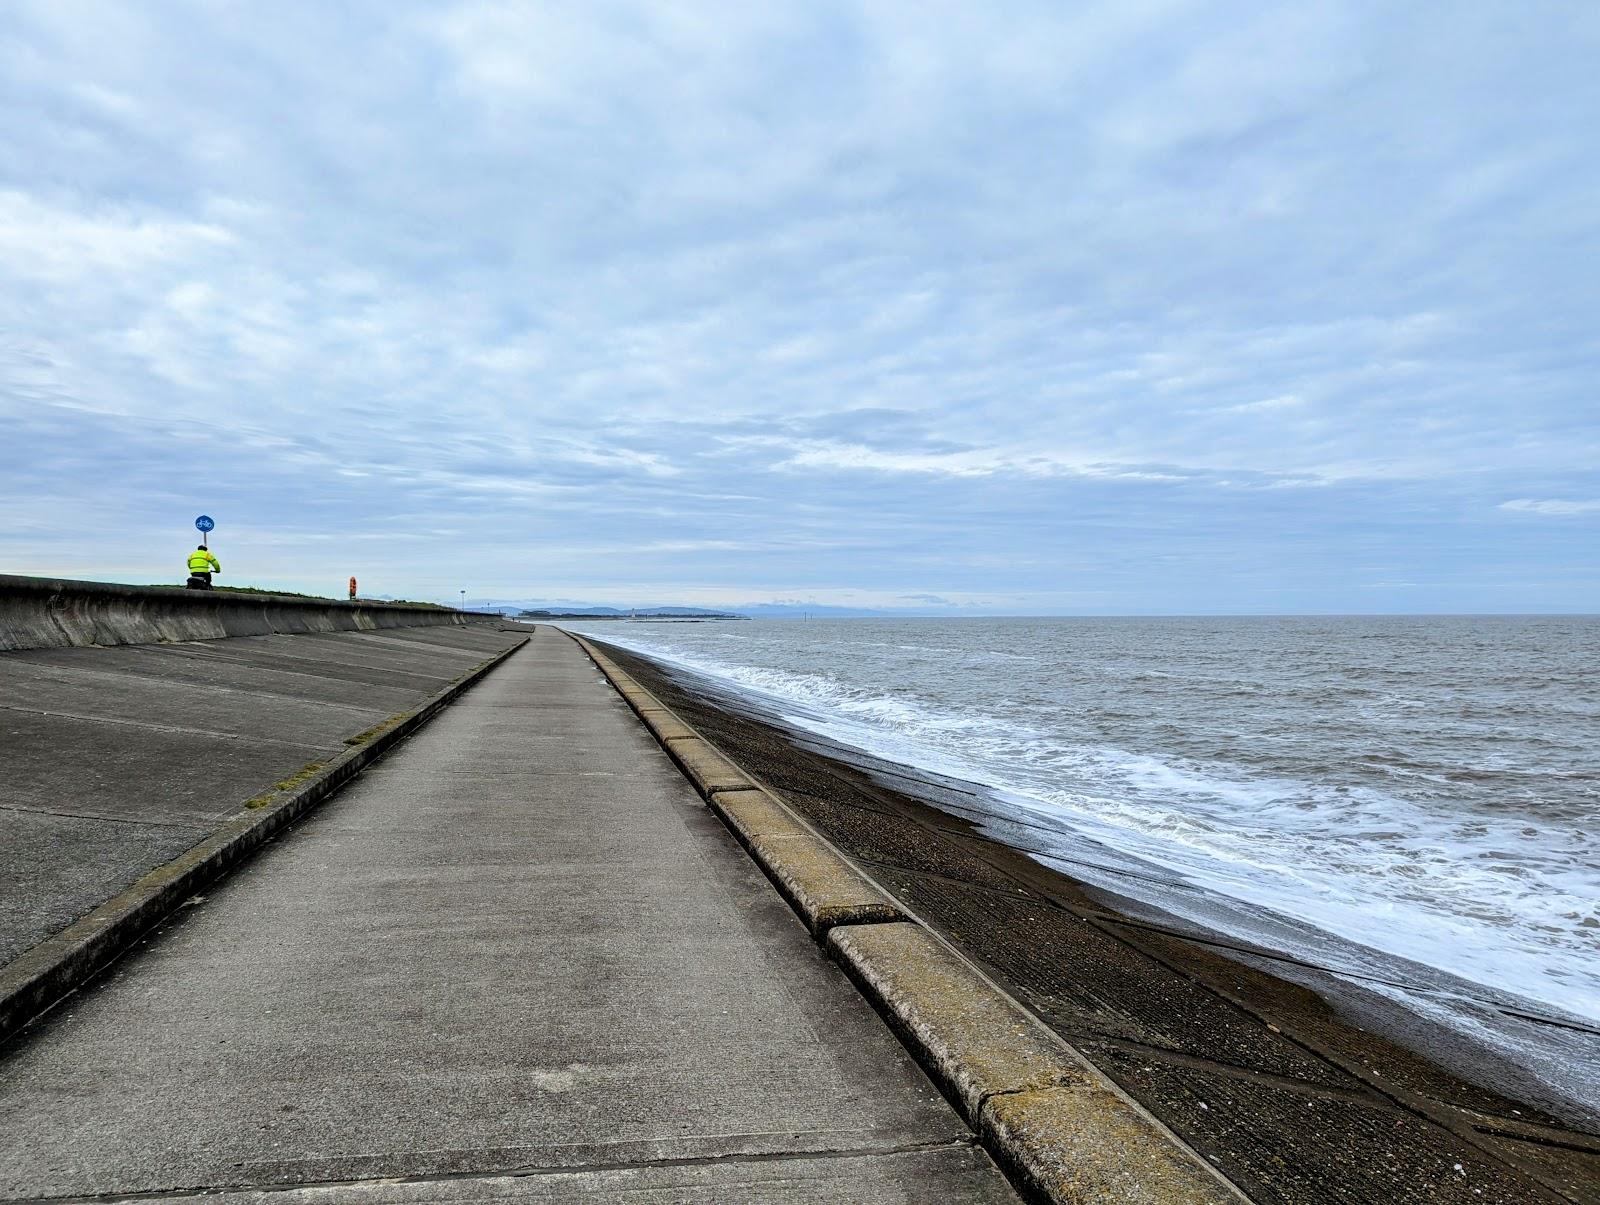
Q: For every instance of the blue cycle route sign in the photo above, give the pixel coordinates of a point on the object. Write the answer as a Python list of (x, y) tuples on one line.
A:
[(205, 523)]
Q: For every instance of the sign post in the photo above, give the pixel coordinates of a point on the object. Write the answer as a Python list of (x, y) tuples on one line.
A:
[(203, 525)]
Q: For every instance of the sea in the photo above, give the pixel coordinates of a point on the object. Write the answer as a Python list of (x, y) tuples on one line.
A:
[(1413, 802)]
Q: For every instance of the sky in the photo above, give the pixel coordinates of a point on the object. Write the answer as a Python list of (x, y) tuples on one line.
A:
[(1130, 307)]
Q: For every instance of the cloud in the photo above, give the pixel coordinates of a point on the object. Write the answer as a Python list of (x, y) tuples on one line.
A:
[(1283, 402), (1161, 303), (54, 244), (959, 463), (1553, 506)]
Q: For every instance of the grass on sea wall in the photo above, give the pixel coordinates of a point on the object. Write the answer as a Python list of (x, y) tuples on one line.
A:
[(367, 734), (328, 598), (301, 776), (312, 768)]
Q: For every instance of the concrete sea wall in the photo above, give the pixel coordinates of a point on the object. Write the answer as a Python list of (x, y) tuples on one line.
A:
[(40, 612), (106, 828)]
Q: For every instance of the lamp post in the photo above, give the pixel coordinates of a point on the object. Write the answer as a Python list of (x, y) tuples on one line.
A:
[(463, 600)]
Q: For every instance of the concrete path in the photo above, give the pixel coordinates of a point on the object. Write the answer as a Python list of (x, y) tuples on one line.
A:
[(517, 960)]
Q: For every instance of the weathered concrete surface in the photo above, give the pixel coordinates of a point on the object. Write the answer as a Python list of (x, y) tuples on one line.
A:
[(976, 1042), (114, 760), (45, 973), (518, 959), (1081, 1142), (706, 768), (820, 885), (1289, 1100)]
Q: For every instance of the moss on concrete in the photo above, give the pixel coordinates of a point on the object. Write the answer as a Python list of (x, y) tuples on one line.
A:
[(299, 778), (367, 734)]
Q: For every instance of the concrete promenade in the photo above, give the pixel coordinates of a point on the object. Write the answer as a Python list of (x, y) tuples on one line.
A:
[(517, 960)]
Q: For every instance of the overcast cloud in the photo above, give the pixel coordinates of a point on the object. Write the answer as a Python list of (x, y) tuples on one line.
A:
[(1025, 307)]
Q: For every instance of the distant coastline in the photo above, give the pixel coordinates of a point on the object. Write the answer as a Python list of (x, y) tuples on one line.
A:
[(667, 613)]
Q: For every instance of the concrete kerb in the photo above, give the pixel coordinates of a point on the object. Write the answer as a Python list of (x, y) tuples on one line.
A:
[(1085, 1143), (975, 1041), (665, 725), (696, 757), (1061, 1129), (661, 721), (707, 768), (814, 878), (818, 882), (42, 975)]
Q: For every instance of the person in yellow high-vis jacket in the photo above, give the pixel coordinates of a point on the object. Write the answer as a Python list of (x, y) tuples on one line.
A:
[(202, 564)]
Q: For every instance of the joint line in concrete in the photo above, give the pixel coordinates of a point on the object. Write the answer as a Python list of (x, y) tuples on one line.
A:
[(518, 1172)]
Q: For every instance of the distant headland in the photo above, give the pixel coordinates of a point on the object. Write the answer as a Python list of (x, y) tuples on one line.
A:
[(630, 613)]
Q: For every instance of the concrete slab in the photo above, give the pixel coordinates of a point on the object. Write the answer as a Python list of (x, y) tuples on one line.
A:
[(114, 760), (181, 663), (198, 707), (45, 891), (356, 648), (436, 656), (344, 648), (485, 640), (474, 963), (354, 665), (139, 770)]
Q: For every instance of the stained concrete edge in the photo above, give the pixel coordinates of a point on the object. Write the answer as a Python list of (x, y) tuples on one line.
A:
[(696, 757), (36, 979), (974, 1040), (707, 769), (808, 872), (1080, 1143), (1061, 1130)]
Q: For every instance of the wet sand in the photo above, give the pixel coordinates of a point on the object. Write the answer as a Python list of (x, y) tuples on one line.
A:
[(1296, 1084)]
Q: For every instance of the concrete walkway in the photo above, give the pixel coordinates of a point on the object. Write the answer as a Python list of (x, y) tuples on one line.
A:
[(517, 960)]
